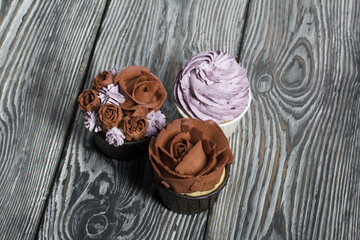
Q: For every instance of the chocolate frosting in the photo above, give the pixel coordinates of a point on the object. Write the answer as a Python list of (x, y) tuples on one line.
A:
[(88, 100), (110, 116), (142, 87), (212, 85), (189, 155), (102, 80), (134, 127)]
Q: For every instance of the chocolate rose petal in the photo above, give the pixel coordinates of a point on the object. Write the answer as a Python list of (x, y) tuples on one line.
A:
[(154, 163), (140, 112), (168, 133), (167, 158), (145, 93), (146, 85), (207, 182), (216, 158), (193, 162), (165, 170), (181, 148), (155, 151), (182, 140), (129, 104), (206, 146), (142, 94), (127, 76), (213, 133), (211, 163)]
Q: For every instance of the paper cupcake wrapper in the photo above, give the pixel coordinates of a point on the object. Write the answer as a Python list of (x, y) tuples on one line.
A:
[(190, 205), (126, 152), (228, 127)]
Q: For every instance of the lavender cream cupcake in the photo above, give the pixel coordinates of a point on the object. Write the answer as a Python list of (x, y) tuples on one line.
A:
[(212, 85)]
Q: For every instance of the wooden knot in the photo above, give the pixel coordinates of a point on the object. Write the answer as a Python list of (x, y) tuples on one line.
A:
[(96, 225)]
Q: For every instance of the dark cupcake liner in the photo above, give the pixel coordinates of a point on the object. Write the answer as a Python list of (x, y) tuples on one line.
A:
[(190, 205), (126, 152)]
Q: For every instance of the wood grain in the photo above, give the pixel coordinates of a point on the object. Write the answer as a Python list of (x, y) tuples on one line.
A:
[(44, 50), (296, 174), (96, 197)]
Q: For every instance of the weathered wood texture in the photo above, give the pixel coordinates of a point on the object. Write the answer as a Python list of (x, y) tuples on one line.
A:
[(297, 168), (95, 197), (44, 51)]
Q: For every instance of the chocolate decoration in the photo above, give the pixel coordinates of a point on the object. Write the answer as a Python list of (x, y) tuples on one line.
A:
[(143, 88), (189, 155)]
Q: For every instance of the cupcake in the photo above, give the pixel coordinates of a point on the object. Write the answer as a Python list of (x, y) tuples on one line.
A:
[(212, 85), (123, 110), (190, 161)]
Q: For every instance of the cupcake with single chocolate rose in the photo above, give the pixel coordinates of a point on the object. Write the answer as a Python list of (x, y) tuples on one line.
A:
[(212, 85), (123, 110), (189, 159)]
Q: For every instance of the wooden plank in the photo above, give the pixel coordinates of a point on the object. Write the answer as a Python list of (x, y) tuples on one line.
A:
[(297, 169), (96, 197), (44, 51)]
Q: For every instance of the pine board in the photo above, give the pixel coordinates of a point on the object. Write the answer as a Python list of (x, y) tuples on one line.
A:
[(297, 170), (44, 50)]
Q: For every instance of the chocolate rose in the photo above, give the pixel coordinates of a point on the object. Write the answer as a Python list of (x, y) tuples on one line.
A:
[(88, 100), (135, 126), (189, 155), (102, 80), (142, 87), (110, 116)]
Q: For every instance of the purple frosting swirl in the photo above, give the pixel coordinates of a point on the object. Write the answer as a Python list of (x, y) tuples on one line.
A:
[(212, 85), (111, 94), (92, 122), (157, 121), (115, 137)]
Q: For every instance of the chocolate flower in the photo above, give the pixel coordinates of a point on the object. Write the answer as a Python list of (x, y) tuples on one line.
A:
[(102, 80), (134, 127), (189, 155), (110, 116), (142, 87), (88, 100)]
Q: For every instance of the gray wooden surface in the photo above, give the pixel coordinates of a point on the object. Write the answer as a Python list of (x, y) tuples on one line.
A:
[(297, 151), (45, 49)]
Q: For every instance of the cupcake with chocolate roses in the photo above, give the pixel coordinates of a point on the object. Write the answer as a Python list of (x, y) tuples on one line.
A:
[(190, 161), (123, 110)]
